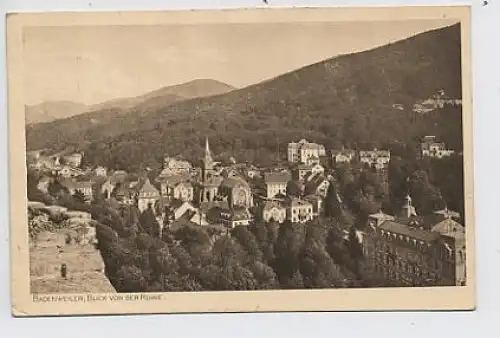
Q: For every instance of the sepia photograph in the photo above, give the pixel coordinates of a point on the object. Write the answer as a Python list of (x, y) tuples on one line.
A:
[(241, 153)]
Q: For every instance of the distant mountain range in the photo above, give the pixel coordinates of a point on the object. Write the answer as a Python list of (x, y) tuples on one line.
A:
[(53, 110), (356, 100)]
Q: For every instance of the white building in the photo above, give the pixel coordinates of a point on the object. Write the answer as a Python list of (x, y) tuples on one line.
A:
[(375, 158), (431, 148), (305, 152)]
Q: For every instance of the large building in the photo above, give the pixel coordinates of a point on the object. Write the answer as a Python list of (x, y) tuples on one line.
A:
[(378, 159), (276, 183), (405, 251), (305, 152)]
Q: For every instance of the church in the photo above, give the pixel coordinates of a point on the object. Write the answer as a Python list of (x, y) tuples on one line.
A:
[(215, 187)]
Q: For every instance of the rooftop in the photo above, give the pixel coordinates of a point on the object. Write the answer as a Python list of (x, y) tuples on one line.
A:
[(278, 177), (405, 230)]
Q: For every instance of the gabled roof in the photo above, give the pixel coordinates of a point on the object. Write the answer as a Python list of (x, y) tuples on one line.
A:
[(147, 187)]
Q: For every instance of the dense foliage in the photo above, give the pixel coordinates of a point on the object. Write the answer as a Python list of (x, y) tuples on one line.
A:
[(262, 256)]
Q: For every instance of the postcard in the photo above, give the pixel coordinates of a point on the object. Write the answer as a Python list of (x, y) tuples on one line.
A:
[(244, 160)]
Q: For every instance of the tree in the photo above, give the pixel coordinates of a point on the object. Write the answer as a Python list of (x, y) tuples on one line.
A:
[(55, 188), (293, 189), (149, 223), (332, 206), (355, 249)]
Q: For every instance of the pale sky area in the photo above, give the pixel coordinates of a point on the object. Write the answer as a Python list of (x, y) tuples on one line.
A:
[(98, 63)]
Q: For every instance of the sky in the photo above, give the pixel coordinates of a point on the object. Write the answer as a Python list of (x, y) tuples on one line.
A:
[(92, 64)]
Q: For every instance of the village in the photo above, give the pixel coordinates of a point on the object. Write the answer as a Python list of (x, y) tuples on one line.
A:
[(397, 248)]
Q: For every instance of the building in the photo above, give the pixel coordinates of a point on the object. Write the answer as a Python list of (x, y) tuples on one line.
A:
[(100, 171), (173, 166), (178, 187), (230, 217), (74, 160), (210, 182), (125, 195), (273, 211), (343, 156), (305, 152), (455, 234), (299, 211), (85, 187), (301, 171), (236, 191), (378, 159), (276, 183), (431, 148), (147, 195), (403, 251)]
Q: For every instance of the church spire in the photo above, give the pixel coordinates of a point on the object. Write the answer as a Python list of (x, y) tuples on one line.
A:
[(208, 154)]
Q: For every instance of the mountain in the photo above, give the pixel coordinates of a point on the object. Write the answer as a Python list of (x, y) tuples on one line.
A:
[(168, 95), (52, 110), (58, 110), (353, 99)]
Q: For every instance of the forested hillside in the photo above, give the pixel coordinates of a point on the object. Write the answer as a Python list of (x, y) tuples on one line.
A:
[(347, 100)]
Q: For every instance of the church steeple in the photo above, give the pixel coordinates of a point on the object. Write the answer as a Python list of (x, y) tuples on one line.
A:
[(208, 162)]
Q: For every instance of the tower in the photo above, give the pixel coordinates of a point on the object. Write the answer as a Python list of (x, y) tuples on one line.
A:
[(208, 191), (408, 209), (208, 163)]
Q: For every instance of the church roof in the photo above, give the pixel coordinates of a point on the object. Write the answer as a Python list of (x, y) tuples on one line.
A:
[(232, 182)]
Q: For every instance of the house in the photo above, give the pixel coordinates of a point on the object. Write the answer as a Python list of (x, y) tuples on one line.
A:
[(273, 211), (431, 148), (85, 187), (147, 195), (343, 156), (100, 171), (183, 209), (125, 195), (173, 166), (378, 159), (276, 183), (177, 186), (305, 152), (299, 211), (232, 218)]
